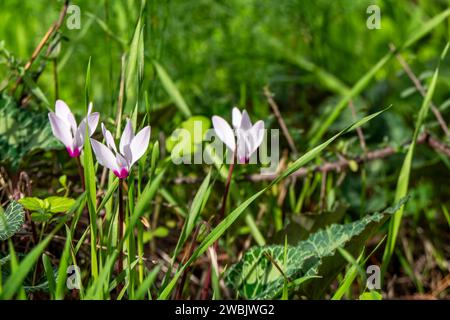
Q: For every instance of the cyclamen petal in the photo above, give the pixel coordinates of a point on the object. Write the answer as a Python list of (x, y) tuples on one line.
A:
[(257, 136), (248, 137), (127, 136), (64, 113), (61, 130), (92, 120), (236, 118), (131, 148), (104, 156), (246, 124), (109, 138), (79, 135), (224, 132), (139, 144), (242, 153), (65, 128)]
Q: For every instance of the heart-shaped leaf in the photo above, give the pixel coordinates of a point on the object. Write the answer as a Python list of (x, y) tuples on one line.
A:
[(260, 274), (11, 220)]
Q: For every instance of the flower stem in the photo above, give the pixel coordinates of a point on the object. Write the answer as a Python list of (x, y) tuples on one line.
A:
[(220, 217), (81, 173), (120, 224)]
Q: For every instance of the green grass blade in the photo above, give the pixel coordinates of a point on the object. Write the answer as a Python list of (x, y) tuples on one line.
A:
[(89, 176), (172, 90), (62, 269), (146, 284), (48, 268)]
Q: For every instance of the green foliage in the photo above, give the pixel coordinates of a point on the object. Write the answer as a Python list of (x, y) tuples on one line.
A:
[(371, 295), (257, 277), (172, 90), (11, 220), (43, 209), (186, 139), (22, 132)]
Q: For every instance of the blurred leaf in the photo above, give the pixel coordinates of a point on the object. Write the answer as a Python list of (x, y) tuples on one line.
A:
[(191, 133), (41, 216), (11, 220), (22, 132), (172, 90)]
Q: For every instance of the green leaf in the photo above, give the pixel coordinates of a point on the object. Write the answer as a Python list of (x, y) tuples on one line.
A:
[(172, 90), (41, 216), (11, 220), (186, 139), (32, 203), (371, 295), (60, 204), (256, 276)]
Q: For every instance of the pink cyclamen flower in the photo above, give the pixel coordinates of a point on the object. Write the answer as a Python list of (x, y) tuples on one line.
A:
[(131, 149), (65, 128), (249, 137)]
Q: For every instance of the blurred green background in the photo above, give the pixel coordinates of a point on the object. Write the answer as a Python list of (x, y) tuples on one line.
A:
[(222, 53)]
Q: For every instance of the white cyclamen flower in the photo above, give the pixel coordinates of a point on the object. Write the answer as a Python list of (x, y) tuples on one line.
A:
[(131, 149), (65, 128), (249, 137)]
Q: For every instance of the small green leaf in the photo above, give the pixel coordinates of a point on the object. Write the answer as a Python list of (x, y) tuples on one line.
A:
[(41, 216), (371, 295), (32, 203), (353, 165), (191, 133), (60, 204)]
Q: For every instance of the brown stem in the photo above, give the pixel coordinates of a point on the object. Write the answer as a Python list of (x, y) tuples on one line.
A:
[(206, 286), (341, 164), (280, 120)]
